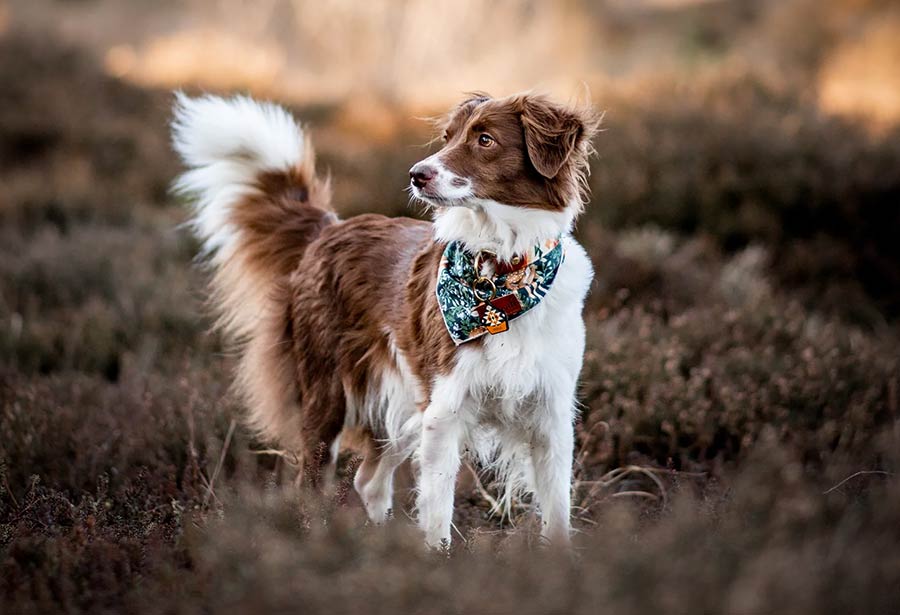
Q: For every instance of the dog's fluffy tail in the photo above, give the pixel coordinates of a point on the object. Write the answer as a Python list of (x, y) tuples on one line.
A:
[(256, 204)]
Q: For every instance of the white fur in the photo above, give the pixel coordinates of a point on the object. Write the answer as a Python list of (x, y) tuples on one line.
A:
[(227, 143), (443, 186), (391, 407), (377, 493), (485, 224), (390, 404), (512, 402), (505, 230), (509, 400)]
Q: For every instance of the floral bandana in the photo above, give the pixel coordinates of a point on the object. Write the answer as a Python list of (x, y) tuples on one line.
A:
[(473, 303)]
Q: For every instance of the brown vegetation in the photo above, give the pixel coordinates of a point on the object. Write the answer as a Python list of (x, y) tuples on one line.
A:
[(739, 438)]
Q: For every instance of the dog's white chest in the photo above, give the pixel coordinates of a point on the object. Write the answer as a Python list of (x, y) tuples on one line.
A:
[(540, 349)]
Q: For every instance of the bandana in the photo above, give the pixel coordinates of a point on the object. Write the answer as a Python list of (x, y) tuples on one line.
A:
[(475, 301)]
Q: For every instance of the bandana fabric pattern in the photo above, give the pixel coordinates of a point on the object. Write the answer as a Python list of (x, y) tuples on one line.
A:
[(501, 298)]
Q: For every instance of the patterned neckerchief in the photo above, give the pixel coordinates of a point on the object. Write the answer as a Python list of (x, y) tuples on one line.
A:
[(478, 295)]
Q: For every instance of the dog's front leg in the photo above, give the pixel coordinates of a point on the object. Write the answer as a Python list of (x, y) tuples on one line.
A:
[(552, 448), (439, 460)]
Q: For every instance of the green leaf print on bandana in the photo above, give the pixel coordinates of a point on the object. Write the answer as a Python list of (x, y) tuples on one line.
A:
[(469, 315)]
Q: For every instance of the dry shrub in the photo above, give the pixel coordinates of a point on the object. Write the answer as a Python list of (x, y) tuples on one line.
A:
[(95, 479), (104, 505), (87, 298), (690, 358), (739, 407), (75, 145), (769, 542), (744, 159)]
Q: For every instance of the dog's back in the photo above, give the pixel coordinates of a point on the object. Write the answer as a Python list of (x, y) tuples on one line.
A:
[(359, 288), (313, 303)]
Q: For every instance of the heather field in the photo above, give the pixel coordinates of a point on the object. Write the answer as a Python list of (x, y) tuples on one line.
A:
[(738, 448)]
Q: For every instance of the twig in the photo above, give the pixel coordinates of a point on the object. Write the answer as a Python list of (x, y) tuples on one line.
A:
[(289, 456), (586, 520), (618, 474), (495, 505), (855, 474), (675, 472), (206, 484), (9, 491), (658, 481), (212, 481), (456, 529), (643, 494), (586, 439)]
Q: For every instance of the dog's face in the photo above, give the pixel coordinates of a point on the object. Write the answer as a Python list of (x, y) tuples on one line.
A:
[(523, 151)]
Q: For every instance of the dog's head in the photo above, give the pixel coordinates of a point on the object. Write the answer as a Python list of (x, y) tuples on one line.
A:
[(523, 151)]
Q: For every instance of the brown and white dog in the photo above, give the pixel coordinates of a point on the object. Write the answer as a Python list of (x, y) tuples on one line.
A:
[(338, 321)]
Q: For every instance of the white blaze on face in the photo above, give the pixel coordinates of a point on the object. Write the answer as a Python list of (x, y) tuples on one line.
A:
[(442, 183)]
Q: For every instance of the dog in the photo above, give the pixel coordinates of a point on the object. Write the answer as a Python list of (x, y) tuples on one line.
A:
[(463, 335)]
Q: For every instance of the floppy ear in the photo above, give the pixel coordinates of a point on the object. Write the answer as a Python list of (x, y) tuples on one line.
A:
[(552, 133)]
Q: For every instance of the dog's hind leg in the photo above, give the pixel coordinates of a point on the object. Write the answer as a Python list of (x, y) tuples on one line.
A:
[(321, 420), (374, 481), (395, 427)]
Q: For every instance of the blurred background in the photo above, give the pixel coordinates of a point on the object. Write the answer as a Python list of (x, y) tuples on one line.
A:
[(740, 390), (746, 120)]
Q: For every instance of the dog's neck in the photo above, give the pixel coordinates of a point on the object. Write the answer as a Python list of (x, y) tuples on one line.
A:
[(504, 230)]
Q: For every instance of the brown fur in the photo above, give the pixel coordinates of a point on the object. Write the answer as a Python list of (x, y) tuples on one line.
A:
[(358, 281), (539, 158), (276, 225), (323, 305)]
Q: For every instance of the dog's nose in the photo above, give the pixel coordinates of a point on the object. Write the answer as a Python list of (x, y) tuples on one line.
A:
[(421, 174)]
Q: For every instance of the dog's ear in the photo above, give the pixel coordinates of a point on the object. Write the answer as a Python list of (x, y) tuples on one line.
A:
[(552, 133)]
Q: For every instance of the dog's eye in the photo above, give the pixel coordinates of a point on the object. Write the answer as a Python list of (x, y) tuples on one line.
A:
[(485, 140), (445, 137)]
